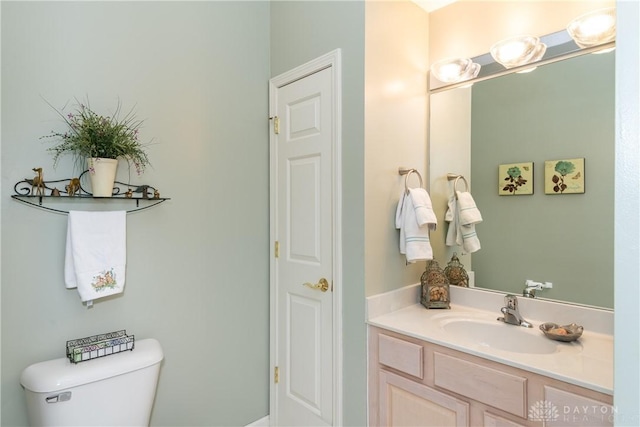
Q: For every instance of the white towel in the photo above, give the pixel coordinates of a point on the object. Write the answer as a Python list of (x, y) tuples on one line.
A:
[(400, 222), (414, 239), (459, 234), (469, 213), (453, 232), (424, 208), (95, 258), (470, 241)]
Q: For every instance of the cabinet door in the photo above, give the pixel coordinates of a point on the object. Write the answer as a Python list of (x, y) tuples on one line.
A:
[(571, 409), (491, 420), (407, 403)]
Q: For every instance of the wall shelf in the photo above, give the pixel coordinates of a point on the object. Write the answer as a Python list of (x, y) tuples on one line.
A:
[(43, 196), (40, 201)]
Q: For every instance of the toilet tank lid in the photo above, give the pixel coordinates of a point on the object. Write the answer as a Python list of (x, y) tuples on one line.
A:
[(59, 374)]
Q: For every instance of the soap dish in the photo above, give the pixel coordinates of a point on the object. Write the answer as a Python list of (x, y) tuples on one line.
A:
[(565, 333)]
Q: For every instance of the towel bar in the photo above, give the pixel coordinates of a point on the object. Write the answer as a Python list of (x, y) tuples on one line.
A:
[(455, 178), (407, 172)]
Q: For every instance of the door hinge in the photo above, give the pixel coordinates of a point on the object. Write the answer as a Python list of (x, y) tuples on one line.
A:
[(276, 375), (276, 125), (276, 249)]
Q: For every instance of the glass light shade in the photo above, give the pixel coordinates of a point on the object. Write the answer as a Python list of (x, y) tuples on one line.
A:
[(594, 28), (517, 51), (454, 70)]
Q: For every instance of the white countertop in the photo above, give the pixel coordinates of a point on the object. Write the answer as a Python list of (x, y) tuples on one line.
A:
[(587, 362)]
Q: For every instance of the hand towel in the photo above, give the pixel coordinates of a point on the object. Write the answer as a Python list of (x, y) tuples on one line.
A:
[(470, 241), (451, 216), (400, 222), (95, 257), (423, 207), (469, 213), (414, 240), (459, 234)]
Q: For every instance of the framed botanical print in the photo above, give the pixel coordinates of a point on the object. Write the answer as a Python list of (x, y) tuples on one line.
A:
[(515, 179), (564, 176)]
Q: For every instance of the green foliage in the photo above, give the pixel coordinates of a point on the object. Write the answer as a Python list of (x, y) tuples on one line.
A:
[(92, 135)]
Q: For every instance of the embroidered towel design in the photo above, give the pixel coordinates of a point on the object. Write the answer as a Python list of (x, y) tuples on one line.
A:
[(95, 257)]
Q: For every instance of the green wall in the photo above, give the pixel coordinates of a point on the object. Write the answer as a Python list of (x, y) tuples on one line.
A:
[(301, 31), (198, 267), (564, 110), (197, 72), (179, 62)]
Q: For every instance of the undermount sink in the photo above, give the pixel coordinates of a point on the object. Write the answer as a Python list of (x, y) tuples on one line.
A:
[(498, 335)]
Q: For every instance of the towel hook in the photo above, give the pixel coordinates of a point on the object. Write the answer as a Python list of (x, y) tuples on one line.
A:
[(455, 178), (406, 173)]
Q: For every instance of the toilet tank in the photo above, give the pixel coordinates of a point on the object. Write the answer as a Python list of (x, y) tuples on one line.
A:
[(116, 390)]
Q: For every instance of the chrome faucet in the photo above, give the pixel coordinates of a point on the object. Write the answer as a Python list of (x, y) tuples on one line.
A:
[(511, 313), (531, 287)]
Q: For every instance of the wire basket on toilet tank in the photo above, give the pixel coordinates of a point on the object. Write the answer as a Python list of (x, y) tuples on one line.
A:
[(93, 347)]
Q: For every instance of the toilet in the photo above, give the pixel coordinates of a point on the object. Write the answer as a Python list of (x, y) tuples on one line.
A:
[(116, 390)]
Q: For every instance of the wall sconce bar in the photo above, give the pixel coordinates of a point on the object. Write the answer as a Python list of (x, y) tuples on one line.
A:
[(560, 45), (517, 51), (594, 28), (455, 70)]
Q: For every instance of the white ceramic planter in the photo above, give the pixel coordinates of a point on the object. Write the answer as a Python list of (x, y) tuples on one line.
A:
[(102, 173)]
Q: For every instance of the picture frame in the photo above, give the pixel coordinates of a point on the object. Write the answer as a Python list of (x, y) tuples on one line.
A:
[(564, 176), (515, 179)]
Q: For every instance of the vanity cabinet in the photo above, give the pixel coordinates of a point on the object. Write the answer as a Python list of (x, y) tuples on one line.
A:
[(417, 383), (409, 402)]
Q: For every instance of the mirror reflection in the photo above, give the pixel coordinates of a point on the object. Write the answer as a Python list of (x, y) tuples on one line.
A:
[(561, 111)]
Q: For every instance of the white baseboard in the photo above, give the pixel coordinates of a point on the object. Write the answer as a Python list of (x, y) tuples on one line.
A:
[(262, 422)]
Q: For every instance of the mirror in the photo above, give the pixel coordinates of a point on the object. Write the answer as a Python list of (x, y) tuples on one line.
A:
[(562, 110)]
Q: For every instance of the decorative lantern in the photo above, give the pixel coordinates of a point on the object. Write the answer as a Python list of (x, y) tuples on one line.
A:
[(435, 287), (455, 272)]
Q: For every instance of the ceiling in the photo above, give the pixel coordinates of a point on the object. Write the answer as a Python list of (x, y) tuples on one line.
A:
[(431, 5)]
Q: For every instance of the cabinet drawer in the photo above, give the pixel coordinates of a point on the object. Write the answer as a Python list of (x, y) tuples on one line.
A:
[(487, 385), (401, 355)]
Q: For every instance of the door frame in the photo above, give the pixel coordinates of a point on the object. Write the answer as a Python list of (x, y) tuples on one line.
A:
[(330, 60)]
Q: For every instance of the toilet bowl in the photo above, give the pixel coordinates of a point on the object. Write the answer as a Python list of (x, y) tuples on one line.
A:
[(117, 390)]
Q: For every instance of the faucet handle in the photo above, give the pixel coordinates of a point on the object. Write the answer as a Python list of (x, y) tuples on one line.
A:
[(511, 301), (537, 285)]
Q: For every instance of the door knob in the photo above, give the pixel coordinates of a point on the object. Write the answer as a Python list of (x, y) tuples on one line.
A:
[(322, 285)]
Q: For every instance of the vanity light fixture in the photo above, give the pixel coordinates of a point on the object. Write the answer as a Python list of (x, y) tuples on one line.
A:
[(455, 70), (518, 51), (594, 28)]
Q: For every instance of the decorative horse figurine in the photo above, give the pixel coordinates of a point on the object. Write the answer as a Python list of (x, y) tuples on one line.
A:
[(37, 182), (73, 187)]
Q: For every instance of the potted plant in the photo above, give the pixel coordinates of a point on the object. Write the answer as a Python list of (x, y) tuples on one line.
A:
[(100, 141)]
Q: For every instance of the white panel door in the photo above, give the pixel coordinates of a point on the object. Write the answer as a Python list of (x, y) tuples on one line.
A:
[(304, 267)]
